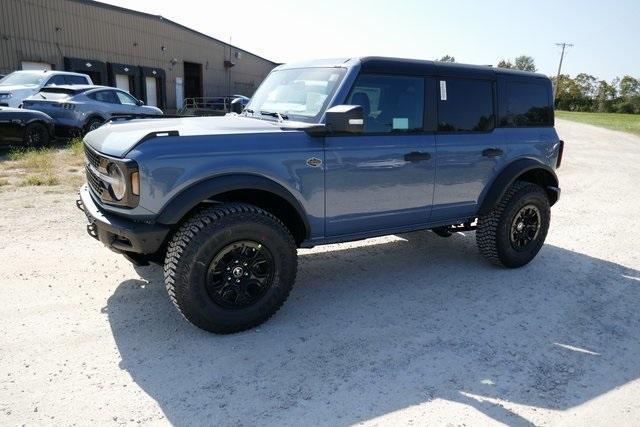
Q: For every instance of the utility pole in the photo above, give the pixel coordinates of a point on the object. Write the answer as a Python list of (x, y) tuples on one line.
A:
[(563, 45)]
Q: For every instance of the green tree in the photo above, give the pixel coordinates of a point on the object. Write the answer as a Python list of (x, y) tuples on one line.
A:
[(629, 87), (505, 63), (447, 58), (605, 97), (588, 84), (525, 63), (568, 94)]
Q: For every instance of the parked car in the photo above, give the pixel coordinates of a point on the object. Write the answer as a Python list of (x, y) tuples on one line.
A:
[(25, 128), (19, 85), (85, 108), (326, 151)]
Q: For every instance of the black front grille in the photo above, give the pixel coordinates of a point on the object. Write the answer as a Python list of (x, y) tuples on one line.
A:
[(93, 160), (94, 182), (92, 157)]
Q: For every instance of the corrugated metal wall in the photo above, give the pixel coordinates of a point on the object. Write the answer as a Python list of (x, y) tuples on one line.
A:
[(49, 30)]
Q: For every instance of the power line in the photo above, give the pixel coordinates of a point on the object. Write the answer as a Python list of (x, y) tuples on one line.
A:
[(563, 45)]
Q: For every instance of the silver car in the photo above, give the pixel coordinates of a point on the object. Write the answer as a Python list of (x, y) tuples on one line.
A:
[(83, 108)]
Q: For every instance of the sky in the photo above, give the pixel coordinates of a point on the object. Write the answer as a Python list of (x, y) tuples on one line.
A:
[(605, 34)]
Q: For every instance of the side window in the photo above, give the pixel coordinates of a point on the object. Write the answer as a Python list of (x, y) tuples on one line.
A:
[(56, 80), (528, 105), (107, 96), (391, 104), (75, 80), (125, 99), (465, 106)]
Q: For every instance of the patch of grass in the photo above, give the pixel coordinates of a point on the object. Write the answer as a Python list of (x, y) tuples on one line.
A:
[(76, 147), (40, 160), (40, 180), (616, 121), (45, 167)]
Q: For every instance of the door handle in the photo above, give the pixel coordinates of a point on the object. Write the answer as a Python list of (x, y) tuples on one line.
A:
[(492, 152), (416, 156)]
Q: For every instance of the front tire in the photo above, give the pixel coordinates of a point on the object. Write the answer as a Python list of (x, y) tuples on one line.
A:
[(513, 232), (230, 267)]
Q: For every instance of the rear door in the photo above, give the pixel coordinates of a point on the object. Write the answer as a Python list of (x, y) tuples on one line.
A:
[(469, 150), (382, 179)]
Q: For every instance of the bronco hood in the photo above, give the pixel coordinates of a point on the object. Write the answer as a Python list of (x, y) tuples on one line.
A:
[(117, 138)]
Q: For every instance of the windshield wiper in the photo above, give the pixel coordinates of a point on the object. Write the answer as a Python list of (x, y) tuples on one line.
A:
[(280, 116)]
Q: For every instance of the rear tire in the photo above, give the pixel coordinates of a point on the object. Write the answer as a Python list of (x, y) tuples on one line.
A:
[(93, 124), (513, 232), (230, 267), (36, 135)]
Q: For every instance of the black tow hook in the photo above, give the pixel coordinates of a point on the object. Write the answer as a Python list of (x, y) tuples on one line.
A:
[(80, 205), (92, 230)]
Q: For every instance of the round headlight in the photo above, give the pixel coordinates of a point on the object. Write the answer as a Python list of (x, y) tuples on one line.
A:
[(117, 181)]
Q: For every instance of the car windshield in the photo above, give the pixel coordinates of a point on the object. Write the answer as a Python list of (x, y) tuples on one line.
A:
[(22, 79), (298, 94)]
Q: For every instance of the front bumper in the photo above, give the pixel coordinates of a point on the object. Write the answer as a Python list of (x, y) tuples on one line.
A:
[(117, 233)]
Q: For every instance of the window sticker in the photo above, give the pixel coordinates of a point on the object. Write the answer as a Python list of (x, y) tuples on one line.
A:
[(401, 123), (443, 90)]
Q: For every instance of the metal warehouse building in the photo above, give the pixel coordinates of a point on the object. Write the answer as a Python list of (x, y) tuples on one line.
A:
[(157, 60)]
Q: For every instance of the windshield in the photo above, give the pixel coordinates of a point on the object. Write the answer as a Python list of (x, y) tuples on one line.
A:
[(298, 94), (22, 79)]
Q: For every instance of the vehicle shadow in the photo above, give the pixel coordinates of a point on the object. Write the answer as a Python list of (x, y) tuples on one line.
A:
[(388, 325)]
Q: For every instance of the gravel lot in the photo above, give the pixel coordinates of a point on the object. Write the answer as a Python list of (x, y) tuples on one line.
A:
[(402, 329)]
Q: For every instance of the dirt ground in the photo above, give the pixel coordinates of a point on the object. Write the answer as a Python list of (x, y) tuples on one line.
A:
[(411, 329)]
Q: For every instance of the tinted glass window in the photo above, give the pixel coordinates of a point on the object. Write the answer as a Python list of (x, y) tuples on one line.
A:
[(76, 80), (528, 105), (108, 96), (56, 80), (390, 103), (126, 99), (465, 106)]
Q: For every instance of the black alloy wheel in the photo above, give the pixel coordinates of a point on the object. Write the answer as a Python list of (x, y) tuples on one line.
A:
[(240, 274), (525, 227)]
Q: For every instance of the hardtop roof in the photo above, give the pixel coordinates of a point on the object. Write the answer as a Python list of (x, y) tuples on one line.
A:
[(379, 64)]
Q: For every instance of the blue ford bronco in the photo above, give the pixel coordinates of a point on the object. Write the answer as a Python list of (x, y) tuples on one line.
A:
[(326, 151)]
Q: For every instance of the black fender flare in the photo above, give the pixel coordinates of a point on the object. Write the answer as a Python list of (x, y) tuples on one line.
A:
[(195, 194), (510, 174)]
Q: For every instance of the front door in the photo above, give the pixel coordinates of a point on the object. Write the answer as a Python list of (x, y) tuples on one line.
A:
[(382, 179), (469, 150)]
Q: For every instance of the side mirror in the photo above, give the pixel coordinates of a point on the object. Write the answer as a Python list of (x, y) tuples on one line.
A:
[(139, 102), (345, 119), (236, 106)]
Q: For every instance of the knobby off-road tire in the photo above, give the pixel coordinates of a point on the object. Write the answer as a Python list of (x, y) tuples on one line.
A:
[(224, 244), (515, 214)]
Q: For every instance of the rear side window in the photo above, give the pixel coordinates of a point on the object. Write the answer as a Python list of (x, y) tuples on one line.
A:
[(465, 106), (56, 80), (391, 104), (108, 96), (76, 80), (527, 105)]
